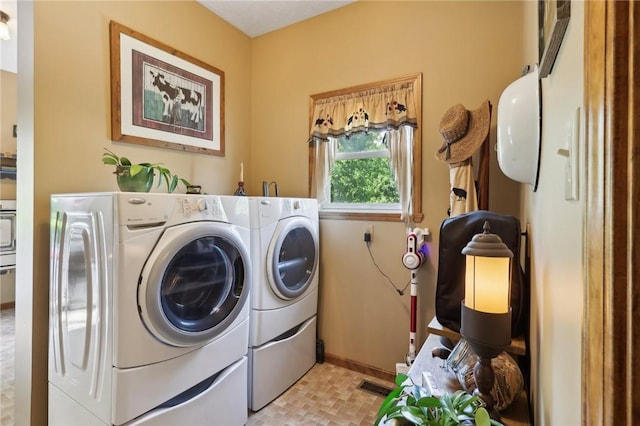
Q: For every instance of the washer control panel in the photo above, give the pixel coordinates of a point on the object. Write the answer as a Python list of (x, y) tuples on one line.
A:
[(161, 209), (201, 208)]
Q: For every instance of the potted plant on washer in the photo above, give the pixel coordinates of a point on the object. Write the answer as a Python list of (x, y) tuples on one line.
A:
[(139, 177), (411, 404)]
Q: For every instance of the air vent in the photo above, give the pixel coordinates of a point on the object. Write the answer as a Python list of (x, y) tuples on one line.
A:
[(374, 388)]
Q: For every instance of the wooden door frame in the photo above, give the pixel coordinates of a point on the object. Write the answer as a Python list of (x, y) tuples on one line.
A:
[(611, 340)]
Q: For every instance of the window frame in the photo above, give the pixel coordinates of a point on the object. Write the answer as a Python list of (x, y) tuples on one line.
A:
[(374, 215)]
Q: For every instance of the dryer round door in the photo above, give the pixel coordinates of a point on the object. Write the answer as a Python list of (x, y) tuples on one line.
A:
[(292, 257), (195, 283)]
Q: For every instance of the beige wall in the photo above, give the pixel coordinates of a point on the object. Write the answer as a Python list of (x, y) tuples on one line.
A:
[(557, 241), (72, 118), (8, 111), (78, 89), (467, 52), (8, 107)]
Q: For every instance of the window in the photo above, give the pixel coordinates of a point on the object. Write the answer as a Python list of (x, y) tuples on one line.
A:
[(361, 177), (365, 151)]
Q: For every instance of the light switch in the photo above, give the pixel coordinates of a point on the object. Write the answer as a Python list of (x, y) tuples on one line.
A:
[(571, 155)]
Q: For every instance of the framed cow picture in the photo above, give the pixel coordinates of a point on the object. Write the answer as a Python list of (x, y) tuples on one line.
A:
[(163, 97)]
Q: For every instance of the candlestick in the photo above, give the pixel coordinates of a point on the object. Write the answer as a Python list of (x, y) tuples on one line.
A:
[(241, 172), (240, 190)]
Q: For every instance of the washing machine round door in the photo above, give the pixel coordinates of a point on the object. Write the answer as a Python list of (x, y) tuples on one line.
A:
[(194, 284), (292, 257)]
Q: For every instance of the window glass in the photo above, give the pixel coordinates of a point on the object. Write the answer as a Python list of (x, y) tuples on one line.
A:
[(361, 175)]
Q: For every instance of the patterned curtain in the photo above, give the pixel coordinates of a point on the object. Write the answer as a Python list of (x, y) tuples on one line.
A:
[(382, 108)]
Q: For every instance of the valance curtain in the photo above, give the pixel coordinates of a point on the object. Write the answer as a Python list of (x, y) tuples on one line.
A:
[(381, 108), (391, 108)]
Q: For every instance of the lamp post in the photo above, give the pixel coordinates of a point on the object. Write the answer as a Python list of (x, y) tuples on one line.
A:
[(486, 310)]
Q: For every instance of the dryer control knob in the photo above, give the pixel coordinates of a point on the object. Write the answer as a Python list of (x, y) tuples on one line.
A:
[(202, 204)]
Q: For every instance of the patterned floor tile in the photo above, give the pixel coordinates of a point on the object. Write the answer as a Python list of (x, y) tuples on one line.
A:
[(326, 395)]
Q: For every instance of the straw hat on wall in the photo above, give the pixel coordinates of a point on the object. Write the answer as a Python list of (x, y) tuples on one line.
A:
[(463, 132)]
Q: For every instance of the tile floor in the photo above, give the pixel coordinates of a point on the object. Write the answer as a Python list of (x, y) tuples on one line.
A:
[(7, 359), (326, 395)]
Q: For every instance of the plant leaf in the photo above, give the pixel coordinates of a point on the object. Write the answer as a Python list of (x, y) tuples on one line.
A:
[(393, 412), (482, 417), (469, 401), (390, 401), (401, 378), (413, 414), (174, 183), (125, 161), (135, 169), (447, 406), (165, 177), (428, 401), (420, 392), (109, 160), (110, 154)]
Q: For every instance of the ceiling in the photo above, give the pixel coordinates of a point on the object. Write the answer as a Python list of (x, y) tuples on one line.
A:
[(257, 17)]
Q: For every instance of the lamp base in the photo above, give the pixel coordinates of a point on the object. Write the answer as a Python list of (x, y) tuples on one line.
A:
[(484, 376), (487, 333)]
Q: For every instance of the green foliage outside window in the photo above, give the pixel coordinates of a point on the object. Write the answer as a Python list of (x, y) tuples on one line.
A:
[(363, 180), (362, 142)]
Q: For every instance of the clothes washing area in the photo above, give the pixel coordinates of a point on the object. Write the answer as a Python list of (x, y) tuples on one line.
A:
[(149, 302), (192, 296)]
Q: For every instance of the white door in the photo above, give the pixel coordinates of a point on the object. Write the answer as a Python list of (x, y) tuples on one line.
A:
[(195, 283), (292, 257)]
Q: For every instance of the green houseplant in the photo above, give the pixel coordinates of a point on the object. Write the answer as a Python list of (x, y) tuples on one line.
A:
[(139, 177), (409, 403)]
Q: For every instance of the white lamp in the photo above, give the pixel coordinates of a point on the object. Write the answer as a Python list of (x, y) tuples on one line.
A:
[(486, 308), (4, 28)]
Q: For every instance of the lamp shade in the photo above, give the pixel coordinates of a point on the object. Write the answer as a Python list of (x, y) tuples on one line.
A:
[(486, 310), (488, 273), (487, 284)]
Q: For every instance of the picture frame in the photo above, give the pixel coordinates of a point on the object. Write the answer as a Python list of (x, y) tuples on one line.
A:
[(553, 20), (162, 97)]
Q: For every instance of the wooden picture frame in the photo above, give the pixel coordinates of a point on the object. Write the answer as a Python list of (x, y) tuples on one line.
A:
[(163, 97), (553, 20)]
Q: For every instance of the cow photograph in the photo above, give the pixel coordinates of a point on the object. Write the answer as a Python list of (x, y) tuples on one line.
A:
[(168, 98), (163, 97)]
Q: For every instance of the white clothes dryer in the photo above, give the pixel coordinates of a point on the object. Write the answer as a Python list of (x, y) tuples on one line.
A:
[(285, 251), (149, 309)]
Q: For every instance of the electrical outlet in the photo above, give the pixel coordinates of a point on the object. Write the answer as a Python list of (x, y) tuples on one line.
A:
[(367, 232)]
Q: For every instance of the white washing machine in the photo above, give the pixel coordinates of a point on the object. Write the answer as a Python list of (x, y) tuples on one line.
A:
[(149, 309), (285, 253)]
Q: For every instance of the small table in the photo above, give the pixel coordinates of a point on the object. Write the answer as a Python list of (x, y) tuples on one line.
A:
[(516, 414), (516, 347)]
